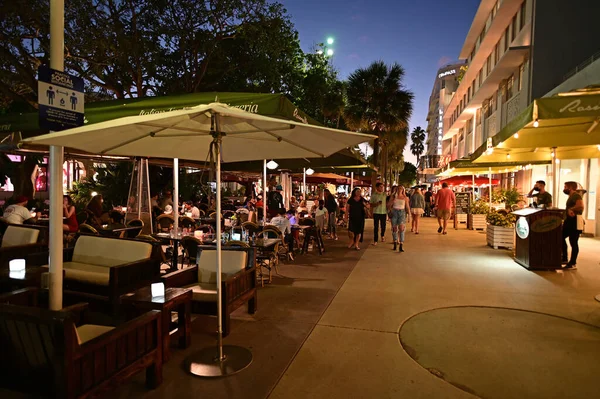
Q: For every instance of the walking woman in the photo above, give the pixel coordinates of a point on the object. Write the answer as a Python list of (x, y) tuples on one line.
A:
[(400, 210), (417, 208), (355, 214)]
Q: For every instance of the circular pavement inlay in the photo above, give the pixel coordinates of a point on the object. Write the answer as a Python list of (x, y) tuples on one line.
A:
[(506, 353)]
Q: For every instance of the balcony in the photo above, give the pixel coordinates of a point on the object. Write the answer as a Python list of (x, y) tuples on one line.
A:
[(510, 61), (512, 108), (428, 164), (491, 127), (478, 136)]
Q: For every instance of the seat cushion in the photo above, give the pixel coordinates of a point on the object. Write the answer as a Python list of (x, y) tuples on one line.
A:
[(87, 332), (109, 251), (231, 263), (84, 272), (15, 236), (203, 292)]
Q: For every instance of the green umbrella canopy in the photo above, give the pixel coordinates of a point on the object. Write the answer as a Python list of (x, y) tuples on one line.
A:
[(344, 158), (274, 105)]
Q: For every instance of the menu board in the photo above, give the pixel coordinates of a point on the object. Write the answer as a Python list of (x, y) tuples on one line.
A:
[(463, 203)]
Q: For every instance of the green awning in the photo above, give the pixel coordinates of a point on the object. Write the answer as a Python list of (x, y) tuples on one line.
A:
[(274, 105), (567, 124), (463, 167)]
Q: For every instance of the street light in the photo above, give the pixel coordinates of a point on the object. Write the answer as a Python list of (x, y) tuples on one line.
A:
[(330, 40), (330, 52), (309, 171), (272, 164)]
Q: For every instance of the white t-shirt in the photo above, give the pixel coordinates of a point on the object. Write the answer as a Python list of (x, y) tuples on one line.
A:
[(195, 212), (16, 214), (282, 223)]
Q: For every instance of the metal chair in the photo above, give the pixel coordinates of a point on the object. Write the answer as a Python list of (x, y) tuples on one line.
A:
[(213, 215), (187, 222), (165, 222), (135, 223), (190, 249), (85, 228), (251, 228), (202, 213), (205, 228)]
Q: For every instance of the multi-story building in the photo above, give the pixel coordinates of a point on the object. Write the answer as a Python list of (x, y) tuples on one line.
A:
[(515, 51), (444, 86)]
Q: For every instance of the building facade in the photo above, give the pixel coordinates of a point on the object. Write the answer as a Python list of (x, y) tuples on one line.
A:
[(516, 51)]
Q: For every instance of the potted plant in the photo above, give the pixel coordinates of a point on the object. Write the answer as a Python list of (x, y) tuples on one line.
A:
[(477, 214), (500, 229)]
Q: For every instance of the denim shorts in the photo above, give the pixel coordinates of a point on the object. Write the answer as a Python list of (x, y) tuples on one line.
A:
[(398, 217)]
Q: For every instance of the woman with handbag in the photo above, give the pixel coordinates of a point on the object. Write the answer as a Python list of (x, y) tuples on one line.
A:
[(573, 224)]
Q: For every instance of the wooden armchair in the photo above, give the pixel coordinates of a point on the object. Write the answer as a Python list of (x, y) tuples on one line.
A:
[(63, 357), (165, 223), (187, 222), (238, 285)]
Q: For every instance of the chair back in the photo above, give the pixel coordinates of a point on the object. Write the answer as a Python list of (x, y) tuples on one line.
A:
[(16, 235), (85, 228), (251, 227), (33, 343), (82, 217), (202, 213), (233, 260), (135, 223), (213, 215), (272, 232), (165, 222), (133, 232), (187, 222)]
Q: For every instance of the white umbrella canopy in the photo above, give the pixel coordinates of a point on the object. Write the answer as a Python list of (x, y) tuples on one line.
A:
[(187, 134)]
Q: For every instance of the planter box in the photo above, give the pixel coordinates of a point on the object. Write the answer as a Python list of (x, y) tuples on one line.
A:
[(477, 222), (500, 237)]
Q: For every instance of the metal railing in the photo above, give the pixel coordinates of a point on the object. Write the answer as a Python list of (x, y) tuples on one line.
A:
[(581, 66)]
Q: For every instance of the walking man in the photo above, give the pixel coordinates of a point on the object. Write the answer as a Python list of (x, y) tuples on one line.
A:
[(379, 206), (570, 228), (332, 210), (444, 200), (428, 198)]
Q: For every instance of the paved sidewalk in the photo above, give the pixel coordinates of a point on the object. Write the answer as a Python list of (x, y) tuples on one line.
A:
[(354, 351)]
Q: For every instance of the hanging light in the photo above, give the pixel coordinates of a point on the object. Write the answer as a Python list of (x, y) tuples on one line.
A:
[(536, 123), (557, 161), (553, 154), (516, 135), (309, 171), (272, 164), (507, 156), (598, 147), (94, 193)]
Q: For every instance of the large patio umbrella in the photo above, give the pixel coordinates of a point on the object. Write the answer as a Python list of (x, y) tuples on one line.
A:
[(234, 135)]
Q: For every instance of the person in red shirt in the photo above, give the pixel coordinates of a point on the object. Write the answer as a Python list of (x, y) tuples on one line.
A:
[(444, 201)]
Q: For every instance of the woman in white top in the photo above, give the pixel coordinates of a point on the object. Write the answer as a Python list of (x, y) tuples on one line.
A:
[(399, 208)]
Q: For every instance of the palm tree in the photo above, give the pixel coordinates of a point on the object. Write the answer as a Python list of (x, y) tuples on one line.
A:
[(418, 142), (378, 103)]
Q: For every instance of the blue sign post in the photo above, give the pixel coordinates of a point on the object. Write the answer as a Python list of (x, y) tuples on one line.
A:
[(60, 99)]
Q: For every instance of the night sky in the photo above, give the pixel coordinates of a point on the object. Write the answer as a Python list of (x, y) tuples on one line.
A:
[(421, 35)]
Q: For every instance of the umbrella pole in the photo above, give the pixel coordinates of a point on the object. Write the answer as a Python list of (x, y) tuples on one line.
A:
[(176, 195), (229, 359), (351, 182), (490, 193), (55, 278), (304, 185), (264, 196)]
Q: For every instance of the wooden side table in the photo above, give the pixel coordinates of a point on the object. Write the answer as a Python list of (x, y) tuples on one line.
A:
[(175, 300)]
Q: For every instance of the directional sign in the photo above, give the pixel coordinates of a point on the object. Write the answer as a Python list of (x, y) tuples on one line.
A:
[(60, 99)]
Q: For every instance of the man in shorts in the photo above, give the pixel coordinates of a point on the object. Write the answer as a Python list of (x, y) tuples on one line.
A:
[(444, 200)]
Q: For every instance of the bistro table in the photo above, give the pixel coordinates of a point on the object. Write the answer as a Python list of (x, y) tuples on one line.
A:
[(30, 277), (175, 300)]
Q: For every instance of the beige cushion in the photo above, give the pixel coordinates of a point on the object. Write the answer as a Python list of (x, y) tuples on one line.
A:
[(109, 252), (15, 236), (203, 292), (84, 272), (231, 263), (87, 332)]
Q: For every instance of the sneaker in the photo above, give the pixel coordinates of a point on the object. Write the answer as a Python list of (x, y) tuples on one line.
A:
[(571, 266), (440, 230)]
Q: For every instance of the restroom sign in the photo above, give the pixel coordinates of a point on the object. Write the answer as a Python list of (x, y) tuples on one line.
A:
[(60, 99)]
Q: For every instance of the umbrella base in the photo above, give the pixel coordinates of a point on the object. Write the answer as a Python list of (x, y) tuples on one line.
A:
[(206, 363)]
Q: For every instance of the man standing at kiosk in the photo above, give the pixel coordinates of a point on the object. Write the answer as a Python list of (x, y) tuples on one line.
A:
[(571, 230), (543, 197)]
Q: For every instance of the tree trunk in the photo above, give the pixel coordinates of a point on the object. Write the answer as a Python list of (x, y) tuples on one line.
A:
[(375, 161)]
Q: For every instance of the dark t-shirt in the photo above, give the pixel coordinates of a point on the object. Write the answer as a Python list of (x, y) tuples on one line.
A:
[(331, 204), (274, 200), (428, 196), (572, 200), (543, 198)]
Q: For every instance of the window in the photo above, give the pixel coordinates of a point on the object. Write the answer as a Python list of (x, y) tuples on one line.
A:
[(480, 77), (478, 116), (494, 102), (513, 28), (522, 16), (494, 10), (481, 35), (469, 94), (506, 40), (510, 87), (485, 107), (473, 87), (443, 83), (472, 54), (497, 53), (488, 66), (521, 75)]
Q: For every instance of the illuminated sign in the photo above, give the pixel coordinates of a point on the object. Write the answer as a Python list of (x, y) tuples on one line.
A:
[(522, 228), (450, 72)]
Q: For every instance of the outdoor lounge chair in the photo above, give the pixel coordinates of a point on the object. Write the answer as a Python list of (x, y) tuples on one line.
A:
[(238, 284), (18, 242), (62, 356)]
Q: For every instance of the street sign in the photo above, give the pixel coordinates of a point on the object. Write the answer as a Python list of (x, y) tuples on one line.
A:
[(60, 99)]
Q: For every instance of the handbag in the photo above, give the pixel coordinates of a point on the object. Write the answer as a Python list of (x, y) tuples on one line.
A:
[(580, 223)]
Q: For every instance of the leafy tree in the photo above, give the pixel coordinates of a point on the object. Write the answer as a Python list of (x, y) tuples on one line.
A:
[(417, 146), (408, 176), (378, 103)]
